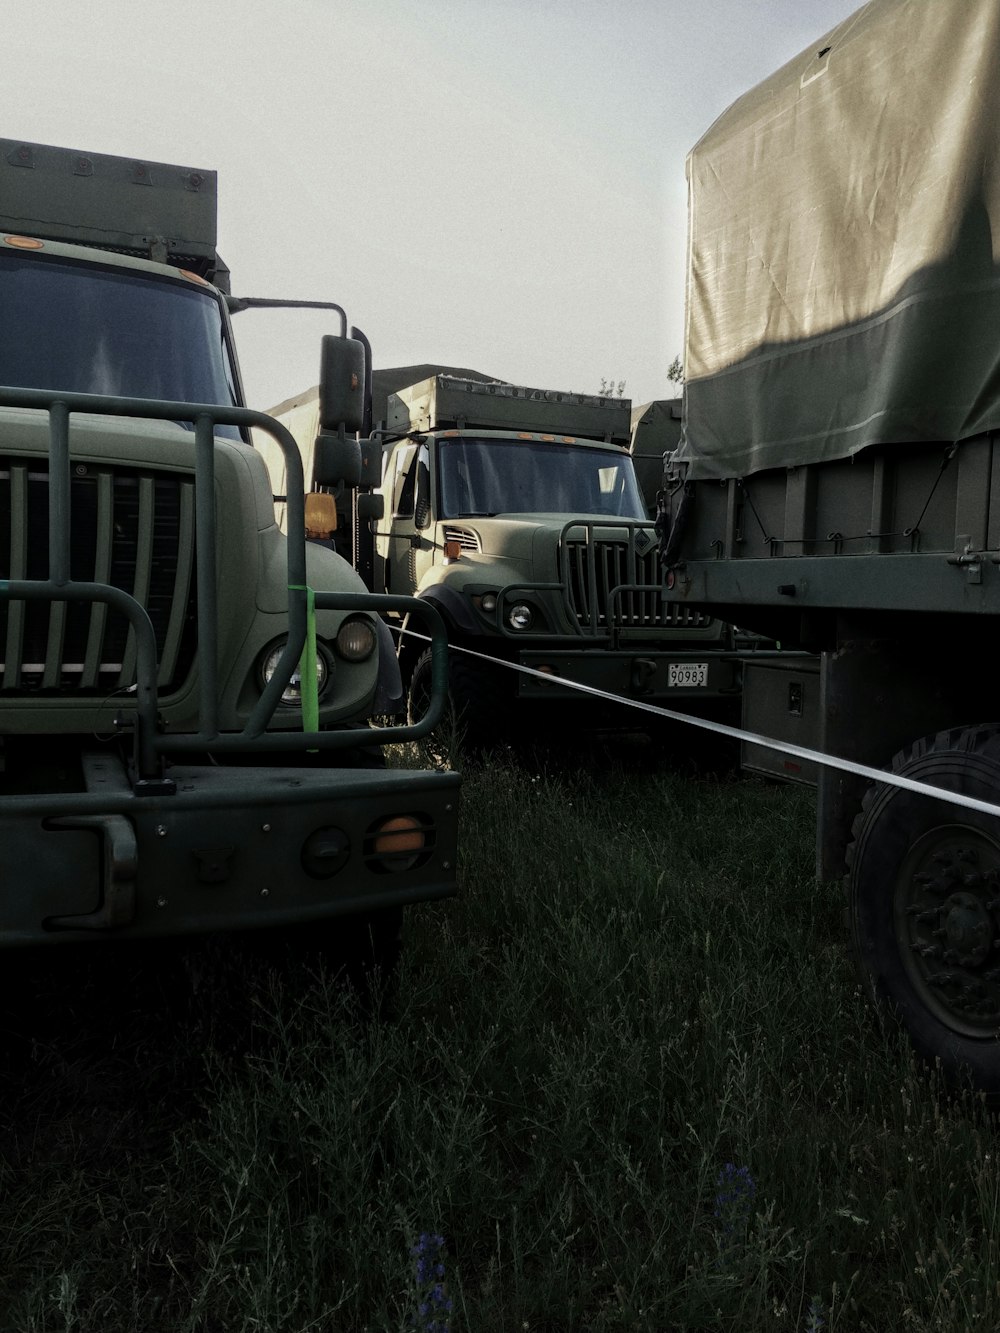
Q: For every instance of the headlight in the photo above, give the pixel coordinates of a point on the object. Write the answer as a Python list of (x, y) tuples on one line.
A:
[(356, 640), (292, 693), (488, 601), (520, 616)]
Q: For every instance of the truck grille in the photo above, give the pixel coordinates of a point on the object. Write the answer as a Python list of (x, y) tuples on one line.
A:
[(131, 529), (594, 569)]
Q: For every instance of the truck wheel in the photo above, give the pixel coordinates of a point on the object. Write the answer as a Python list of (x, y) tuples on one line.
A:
[(478, 703), (923, 887)]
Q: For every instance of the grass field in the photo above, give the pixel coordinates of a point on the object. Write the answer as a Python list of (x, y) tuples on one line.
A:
[(625, 1081)]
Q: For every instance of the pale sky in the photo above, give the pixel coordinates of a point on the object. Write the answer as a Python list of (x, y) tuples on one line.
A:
[(493, 184)]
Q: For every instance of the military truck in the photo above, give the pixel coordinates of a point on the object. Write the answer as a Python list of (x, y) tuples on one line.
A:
[(185, 691), (837, 485), (515, 513)]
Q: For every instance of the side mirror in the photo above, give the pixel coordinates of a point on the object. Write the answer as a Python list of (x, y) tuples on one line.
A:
[(336, 461), (371, 463), (371, 506), (341, 384)]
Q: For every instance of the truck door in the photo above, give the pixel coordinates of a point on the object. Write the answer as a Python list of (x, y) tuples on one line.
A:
[(406, 548)]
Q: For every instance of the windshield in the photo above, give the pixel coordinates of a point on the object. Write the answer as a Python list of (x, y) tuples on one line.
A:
[(530, 477), (86, 329)]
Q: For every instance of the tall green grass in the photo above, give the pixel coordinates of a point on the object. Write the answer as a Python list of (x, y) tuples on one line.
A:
[(627, 1078)]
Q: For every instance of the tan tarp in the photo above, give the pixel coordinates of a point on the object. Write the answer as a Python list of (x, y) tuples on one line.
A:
[(844, 246)]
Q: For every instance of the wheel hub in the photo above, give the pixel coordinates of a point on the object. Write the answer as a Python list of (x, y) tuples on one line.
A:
[(947, 910)]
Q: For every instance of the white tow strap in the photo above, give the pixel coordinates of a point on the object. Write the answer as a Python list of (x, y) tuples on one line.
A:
[(736, 733)]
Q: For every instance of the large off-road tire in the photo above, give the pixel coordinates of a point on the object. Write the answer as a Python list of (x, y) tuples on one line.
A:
[(923, 887), (477, 712)]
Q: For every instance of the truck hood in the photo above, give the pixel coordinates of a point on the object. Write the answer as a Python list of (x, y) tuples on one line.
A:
[(520, 536), (512, 547), (133, 442)]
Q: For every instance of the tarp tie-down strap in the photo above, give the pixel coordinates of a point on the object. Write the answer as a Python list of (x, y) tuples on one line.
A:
[(308, 684), (737, 733)]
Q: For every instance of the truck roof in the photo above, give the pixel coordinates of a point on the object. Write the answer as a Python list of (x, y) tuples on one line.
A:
[(384, 383), (151, 210), (844, 246), (445, 402)]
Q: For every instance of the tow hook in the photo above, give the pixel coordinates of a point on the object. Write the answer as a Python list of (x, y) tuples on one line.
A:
[(643, 675)]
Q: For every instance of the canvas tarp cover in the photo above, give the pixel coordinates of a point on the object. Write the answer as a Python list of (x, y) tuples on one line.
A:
[(844, 246)]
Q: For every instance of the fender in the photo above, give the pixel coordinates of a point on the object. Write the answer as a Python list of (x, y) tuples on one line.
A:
[(455, 608), (458, 617), (389, 695)]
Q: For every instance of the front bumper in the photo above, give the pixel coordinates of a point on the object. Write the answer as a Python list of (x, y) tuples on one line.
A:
[(635, 675), (231, 849)]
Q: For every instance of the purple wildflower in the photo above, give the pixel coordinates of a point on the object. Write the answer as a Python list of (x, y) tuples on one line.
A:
[(434, 1306)]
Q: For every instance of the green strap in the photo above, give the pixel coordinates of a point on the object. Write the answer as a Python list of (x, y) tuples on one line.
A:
[(308, 689)]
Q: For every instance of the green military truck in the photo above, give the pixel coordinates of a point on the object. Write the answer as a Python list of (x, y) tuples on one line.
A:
[(184, 697), (837, 485), (516, 515)]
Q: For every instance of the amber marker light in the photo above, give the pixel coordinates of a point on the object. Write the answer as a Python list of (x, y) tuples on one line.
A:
[(24, 242), (194, 277), (400, 840), (452, 550)]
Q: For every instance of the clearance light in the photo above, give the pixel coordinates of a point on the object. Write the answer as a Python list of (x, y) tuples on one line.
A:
[(24, 242), (195, 277), (452, 550)]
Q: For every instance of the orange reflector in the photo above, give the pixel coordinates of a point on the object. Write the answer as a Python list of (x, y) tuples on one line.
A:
[(524, 435), (452, 550), (195, 277), (402, 833), (24, 242), (321, 514)]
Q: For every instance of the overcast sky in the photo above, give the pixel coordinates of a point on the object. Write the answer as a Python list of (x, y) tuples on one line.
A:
[(496, 184)]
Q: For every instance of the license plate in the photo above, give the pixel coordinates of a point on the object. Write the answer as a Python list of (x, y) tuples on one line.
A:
[(686, 675)]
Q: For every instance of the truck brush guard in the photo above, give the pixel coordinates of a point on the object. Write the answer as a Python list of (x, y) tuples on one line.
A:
[(164, 620), (611, 579), (610, 582)]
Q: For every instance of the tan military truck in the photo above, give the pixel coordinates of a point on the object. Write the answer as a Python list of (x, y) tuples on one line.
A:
[(515, 514)]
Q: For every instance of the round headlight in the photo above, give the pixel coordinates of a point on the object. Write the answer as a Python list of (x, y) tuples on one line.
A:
[(292, 693), (520, 616), (489, 601), (356, 640)]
